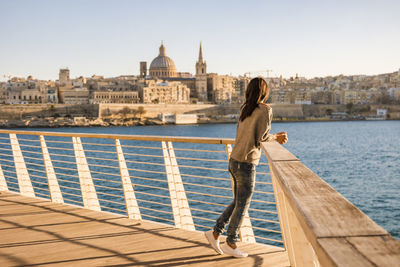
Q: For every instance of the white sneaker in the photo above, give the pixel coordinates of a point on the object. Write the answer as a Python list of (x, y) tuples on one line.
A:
[(214, 243), (233, 252)]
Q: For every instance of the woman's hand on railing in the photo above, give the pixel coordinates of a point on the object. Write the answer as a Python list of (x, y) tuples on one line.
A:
[(281, 137)]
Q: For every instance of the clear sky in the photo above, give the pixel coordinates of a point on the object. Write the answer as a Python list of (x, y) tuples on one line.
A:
[(110, 38)]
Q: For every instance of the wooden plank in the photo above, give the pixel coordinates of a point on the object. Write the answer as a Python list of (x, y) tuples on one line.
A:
[(276, 152), (381, 250), (362, 250), (73, 236), (320, 208), (339, 252)]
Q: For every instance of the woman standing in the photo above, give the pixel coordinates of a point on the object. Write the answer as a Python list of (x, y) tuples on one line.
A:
[(252, 129)]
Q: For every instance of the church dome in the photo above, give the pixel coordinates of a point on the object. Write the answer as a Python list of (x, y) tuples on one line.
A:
[(162, 66)]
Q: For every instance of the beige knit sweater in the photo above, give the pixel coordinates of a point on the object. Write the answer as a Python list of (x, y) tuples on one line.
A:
[(250, 133)]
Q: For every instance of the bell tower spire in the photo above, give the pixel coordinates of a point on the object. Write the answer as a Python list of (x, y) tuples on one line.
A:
[(201, 77), (200, 54)]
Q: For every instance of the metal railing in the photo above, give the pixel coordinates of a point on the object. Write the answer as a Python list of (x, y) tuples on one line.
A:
[(184, 182), (180, 181)]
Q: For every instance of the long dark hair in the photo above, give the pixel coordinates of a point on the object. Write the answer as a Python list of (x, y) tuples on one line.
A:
[(257, 91)]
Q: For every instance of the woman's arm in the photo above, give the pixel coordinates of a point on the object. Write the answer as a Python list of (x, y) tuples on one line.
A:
[(280, 137)]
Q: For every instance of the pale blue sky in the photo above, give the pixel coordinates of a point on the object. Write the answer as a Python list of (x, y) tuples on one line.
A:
[(312, 38)]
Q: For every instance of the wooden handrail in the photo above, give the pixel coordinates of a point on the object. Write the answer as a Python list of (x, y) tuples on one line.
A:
[(320, 226), (179, 139)]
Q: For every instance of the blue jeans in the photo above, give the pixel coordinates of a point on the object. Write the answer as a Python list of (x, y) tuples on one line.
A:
[(243, 175)]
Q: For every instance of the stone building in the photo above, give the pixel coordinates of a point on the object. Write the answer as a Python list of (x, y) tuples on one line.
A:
[(162, 66), (3, 93), (165, 92), (24, 91), (116, 97), (31, 96), (63, 76), (74, 96), (221, 88), (282, 96), (201, 77), (323, 97), (50, 95)]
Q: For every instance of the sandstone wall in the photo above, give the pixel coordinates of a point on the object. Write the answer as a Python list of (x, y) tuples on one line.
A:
[(47, 110)]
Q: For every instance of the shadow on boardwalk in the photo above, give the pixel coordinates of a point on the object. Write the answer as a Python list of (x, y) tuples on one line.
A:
[(38, 232)]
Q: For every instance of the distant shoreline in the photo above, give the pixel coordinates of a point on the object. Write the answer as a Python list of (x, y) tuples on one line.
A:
[(152, 122)]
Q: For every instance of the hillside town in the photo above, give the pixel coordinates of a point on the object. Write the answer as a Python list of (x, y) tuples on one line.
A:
[(161, 83)]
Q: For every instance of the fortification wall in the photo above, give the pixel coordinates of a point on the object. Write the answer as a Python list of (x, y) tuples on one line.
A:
[(20, 111)]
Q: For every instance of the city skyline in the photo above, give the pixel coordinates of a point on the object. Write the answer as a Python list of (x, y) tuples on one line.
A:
[(110, 38)]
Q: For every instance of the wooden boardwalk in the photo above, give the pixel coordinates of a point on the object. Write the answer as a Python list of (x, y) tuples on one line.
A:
[(37, 232)]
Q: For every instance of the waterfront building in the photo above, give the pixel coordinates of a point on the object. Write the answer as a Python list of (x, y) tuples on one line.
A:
[(301, 96), (143, 69), (165, 92), (74, 96), (78, 82), (282, 96), (63, 76), (240, 85), (50, 95), (221, 88), (370, 96), (24, 91), (3, 93), (178, 118), (116, 97), (31, 96), (348, 96), (323, 97), (13, 97)]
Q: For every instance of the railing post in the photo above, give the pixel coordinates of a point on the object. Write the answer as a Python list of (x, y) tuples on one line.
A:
[(299, 249), (183, 204), (180, 206), (3, 183), (88, 190), (24, 181), (132, 207), (54, 188), (246, 230)]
